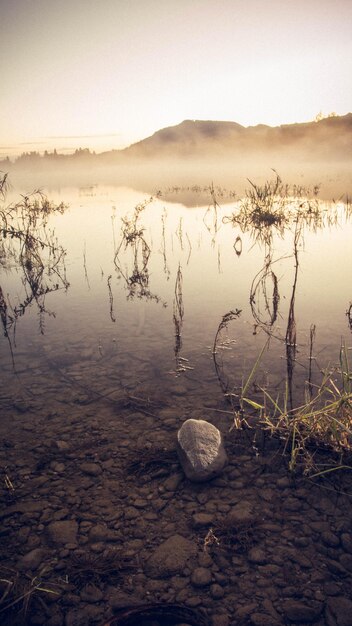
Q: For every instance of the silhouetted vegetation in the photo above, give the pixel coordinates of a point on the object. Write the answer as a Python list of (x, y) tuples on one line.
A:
[(29, 245)]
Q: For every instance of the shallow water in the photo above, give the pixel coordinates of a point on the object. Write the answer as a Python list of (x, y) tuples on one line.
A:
[(147, 326)]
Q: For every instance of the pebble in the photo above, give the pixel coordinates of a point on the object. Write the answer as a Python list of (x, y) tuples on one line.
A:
[(62, 532), (298, 612), (170, 557), (339, 611), (217, 592), (257, 556), (90, 593), (91, 469), (201, 520), (201, 577), (32, 560)]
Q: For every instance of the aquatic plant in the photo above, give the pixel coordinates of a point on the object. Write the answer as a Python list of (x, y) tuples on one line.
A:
[(322, 422), (28, 244), (133, 239), (274, 206)]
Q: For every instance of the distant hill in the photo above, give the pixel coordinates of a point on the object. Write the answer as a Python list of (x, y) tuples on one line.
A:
[(197, 152), (328, 138)]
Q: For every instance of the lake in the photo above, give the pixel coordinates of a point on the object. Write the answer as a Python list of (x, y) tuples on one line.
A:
[(125, 314), (175, 300)]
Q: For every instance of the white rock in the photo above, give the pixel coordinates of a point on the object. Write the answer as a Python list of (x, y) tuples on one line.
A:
[(200, 450)]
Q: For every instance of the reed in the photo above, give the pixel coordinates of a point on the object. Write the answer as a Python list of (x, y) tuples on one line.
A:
[(322, 423)]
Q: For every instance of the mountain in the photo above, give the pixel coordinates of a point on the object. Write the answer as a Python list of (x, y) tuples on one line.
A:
[(197, 152), (328, 138)]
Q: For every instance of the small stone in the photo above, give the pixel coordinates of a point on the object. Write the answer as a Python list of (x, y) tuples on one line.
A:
[(118, 599), (299, 612), (220, 620), (193, 602), (82, 617), (101, 533), (91, 593), (257, 556), (131, 513), (205, 560), (330, 540), (335, 567), (201, 520), (200, 450), (339, 611), (201, 577), (346, 561), (332, 589), (63, 531), (62, 445), (173, 482), (91, 469), (241, 513), (59, 468), (283, 482), (217, 592), (346, 540), (244, 611), (263, 619), (32, 559), (292, 504), (139, 503), (170, 557)]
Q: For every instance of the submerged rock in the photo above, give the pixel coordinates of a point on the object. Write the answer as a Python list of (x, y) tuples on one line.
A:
[(200, 450), (170, 557)]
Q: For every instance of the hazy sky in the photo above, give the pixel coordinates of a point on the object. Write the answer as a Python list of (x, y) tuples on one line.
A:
[(106, 73)]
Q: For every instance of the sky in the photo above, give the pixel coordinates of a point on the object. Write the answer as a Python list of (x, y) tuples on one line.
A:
[(106, 73)]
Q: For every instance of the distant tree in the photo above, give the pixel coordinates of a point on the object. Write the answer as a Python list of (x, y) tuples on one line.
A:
[(321, 116)]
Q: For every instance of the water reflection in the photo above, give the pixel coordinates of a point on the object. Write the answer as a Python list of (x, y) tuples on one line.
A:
[(32, 254), (266, 262), (136, 276)]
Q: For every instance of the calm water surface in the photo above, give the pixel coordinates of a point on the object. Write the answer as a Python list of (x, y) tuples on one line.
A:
[(141, 312)]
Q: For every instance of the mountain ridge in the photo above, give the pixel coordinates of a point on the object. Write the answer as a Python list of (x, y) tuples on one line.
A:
[(192, 136)]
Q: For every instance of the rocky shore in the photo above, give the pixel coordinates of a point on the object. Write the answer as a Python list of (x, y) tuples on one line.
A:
[(96, 514)]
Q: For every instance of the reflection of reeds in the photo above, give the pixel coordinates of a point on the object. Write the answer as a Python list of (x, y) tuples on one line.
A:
[(111, 300), (178, 313), (210, 218), (311, 343), (163, 245), (29, 244), (259, 288), (291, 331), (349, 316), (137, 280), (85, 265), (272, 207), (218, 346), (238, 245)]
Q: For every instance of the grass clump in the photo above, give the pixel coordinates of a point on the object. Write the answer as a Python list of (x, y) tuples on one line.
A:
[(21, 593), (322, 424)]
